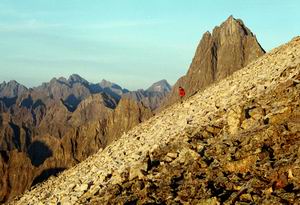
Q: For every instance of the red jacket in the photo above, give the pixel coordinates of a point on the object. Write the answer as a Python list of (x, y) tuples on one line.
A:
[(181, 92)]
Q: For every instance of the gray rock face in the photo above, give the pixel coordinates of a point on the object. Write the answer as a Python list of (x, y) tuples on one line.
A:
[(230, 47)]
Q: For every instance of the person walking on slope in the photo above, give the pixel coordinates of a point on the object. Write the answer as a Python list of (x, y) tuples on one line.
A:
[(181, 93)]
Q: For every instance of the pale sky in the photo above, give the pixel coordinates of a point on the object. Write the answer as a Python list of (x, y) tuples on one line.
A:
[(133, 43)]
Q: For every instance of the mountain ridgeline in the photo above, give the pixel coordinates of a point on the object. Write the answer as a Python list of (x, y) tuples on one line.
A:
[(52, 127)]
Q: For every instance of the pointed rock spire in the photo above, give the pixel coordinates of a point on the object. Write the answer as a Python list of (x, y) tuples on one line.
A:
[(230, 47)]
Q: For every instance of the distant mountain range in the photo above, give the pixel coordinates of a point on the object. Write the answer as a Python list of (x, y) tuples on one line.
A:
[(53, 126), (73, 90), (49, 128)]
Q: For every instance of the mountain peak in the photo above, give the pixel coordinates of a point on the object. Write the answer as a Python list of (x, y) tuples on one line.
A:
[(106, 83), (230, 19), (11, 89), (207, 33), (160, 86), (230, 47), (232, 25), (11, 83), (75, 78)]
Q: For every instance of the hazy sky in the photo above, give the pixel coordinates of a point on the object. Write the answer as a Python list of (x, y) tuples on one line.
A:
[(131, 42)]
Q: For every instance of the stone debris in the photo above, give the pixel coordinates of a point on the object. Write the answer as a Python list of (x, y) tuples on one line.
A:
[(244, 151)]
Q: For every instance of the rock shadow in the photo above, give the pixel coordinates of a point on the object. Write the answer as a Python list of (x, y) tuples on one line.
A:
[(16, 137), (38, 103), (5, 155), (46, 174), (27, 102), (38, 152), (71, 103), (95, 88), (111, 93), (8, 102)]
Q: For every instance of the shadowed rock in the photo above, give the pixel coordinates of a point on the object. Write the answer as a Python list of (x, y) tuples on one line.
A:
[(46, 174), (8, 102), (38, 152), (27, 102), (16, 136), (71, 103)]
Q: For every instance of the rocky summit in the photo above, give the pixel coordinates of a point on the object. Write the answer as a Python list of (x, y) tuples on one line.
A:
[(230, 47), (236, 142)]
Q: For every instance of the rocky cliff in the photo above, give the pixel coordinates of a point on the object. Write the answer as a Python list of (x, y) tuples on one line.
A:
[(230, 47), (235, 142)]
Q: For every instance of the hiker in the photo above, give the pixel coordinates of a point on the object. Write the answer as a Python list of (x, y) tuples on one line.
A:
[(181, 93)]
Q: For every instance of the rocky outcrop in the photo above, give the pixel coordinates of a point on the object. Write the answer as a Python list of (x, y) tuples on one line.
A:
[(235, 142), (230, 47)]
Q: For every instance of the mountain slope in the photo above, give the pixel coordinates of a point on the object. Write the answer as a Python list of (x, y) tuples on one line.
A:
[(237, 140), (230, 47)]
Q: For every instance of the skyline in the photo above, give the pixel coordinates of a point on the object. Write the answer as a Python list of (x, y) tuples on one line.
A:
[(131, 43)]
